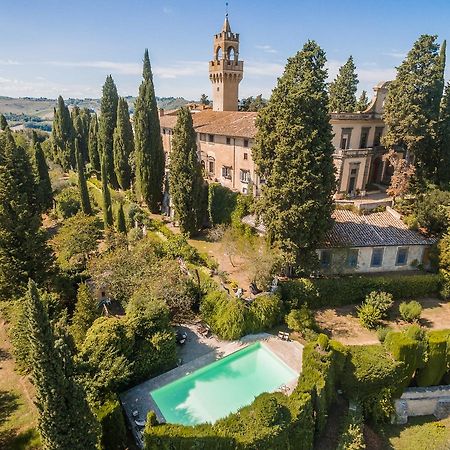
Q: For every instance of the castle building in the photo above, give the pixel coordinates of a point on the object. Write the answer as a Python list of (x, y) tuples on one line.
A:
[(225, 135)]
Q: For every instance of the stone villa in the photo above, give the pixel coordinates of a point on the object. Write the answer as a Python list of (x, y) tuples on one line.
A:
[(225, 135)]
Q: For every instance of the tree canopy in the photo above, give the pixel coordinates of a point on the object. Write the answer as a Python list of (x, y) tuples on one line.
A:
[(343, 89)]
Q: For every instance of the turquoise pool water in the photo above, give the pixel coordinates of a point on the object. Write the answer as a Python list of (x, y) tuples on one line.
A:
[(220, 388)]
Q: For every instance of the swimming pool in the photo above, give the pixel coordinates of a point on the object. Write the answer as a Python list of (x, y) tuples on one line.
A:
[(220, 388)]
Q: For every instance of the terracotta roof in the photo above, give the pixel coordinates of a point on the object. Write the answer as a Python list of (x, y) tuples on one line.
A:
[(376, 229), (225, 123)]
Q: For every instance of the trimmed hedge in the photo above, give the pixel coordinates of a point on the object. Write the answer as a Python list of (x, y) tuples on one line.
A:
[(438, 356), (352, 437), (353, 289), (112, 423)]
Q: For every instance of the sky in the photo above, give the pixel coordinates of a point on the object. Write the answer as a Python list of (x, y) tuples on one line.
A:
[(52, 47)]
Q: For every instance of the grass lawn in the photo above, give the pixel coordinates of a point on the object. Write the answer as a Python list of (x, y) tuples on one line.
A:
[(17, 411), (419, 433)]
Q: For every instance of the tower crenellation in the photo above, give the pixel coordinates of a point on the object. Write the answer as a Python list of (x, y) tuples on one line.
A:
[(225, 70)]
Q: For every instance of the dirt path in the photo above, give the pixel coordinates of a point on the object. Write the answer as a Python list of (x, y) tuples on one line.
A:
[(17, 410), (343, 325)]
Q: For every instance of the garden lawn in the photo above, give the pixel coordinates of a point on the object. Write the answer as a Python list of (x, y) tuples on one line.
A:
[(419, 433), (17, 411)]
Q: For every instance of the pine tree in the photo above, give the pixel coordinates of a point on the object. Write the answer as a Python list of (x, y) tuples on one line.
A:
[(411, 109), (3, 123), (123, 145), (149, 153), (107, 123), (24, 253), (121, 225), (443, 140), (82, 184), (44, 191), (362, 103), (293, 151), (343, 89), (185, 179), (63, 135), (93, 144), (64, 418), (86, 311), (107, 207)]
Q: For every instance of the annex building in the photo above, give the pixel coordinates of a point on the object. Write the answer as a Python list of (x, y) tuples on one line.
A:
[(225, 135)]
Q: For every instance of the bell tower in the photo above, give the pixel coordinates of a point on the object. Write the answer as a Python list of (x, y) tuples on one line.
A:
[(225, 70)]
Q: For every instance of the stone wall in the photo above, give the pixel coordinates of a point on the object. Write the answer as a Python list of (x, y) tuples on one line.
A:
[(426, 401)]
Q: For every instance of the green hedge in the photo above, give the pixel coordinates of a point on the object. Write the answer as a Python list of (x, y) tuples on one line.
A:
[(221, 203), (353, 289), (437, 362), (112, 424), (352, 437)]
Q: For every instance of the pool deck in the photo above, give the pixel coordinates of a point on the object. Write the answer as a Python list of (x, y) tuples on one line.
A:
[(196, 353)]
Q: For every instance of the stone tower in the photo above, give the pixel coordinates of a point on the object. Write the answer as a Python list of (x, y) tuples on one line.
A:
[(225, 70)]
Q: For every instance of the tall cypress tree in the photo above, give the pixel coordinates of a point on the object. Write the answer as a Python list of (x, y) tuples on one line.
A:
[(93, 144), (82, 184), (63, 135), (107, 123), (24, 253), (293, 152), (343, 89), (149, 151), (443, 140), (65, 420), (185, 179), (81, 129), (121, 225), (362, 103), (44, 191), (123, 145), (107, 207), (411, 109), (3, 123), (86, 311)]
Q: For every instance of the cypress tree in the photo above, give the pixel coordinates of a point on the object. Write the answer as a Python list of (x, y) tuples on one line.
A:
[(81, 129), (293, 151), (121, 225), (86, 311), (107, 123), (185, 176), (93, 144), (82, 184), (23, 249), (63, 135), (44, 191), (64, 418), (362, 103), (123, 145), (149, 153), (411, 109), (443, 138), (3, 123), (343, 89), (107, 208)]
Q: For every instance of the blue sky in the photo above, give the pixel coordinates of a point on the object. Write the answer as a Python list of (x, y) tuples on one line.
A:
[(52, 47)]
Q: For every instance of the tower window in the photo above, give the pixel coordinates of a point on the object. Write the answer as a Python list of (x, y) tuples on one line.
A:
[(218, 89)]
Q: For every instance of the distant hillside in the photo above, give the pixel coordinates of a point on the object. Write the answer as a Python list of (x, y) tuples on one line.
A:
[(38, 112)]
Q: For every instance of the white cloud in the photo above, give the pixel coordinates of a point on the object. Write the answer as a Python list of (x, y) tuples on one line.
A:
[(8, 62), (182, 69), (117, 67), (266, 48), (367, 76), (395, 54), (263, 68)]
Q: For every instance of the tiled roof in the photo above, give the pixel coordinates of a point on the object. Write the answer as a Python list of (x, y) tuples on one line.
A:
[(376, 229), (225, 123)]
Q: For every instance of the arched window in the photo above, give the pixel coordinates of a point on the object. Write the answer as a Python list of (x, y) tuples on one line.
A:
[(219, 52), (230, 53)]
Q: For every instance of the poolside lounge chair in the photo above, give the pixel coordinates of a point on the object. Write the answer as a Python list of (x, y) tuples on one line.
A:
[(140, 423), (283, 336)]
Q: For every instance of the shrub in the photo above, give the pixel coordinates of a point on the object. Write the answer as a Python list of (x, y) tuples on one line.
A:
[(229, 319), (112, 423), (380, 300), (349, 290), (221, 203), (369, 315), (301, 319), (436, 364), (264, 313), (68, 202), (352, 437), (432, 210), (323, 341), (410, 312), (382, 332)]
